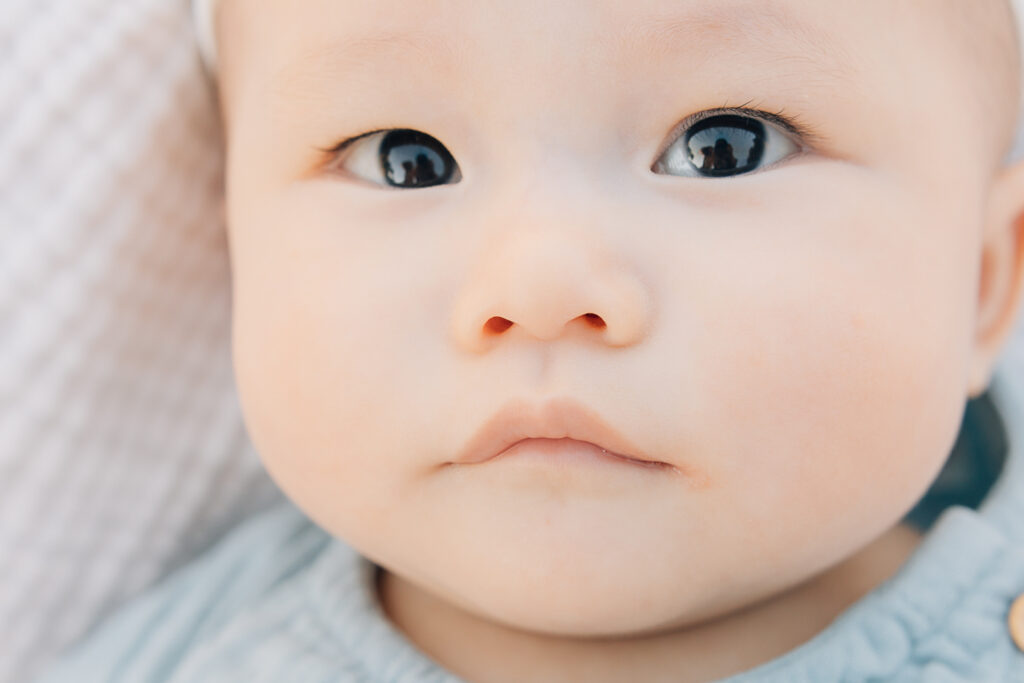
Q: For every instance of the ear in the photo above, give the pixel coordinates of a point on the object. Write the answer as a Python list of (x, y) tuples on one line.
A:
[(1001, 274)]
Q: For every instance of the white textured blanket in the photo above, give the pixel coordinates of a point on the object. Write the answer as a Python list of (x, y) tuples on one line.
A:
[(122, 451)]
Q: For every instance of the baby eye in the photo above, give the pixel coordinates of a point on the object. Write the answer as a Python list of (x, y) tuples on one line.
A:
[(723, 145), (399, 158)]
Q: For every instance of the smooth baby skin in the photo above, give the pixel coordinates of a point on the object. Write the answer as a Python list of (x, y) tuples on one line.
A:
[(797, 342)]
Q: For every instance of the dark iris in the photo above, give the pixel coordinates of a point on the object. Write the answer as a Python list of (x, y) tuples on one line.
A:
[(725, 145), (413, 159)]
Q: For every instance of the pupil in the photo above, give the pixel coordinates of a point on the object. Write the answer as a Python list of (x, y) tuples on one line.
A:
[(726, 145), (413, 159)]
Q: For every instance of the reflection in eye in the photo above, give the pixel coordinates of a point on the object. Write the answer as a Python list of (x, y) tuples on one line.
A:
[(400, 158), (725, 145)]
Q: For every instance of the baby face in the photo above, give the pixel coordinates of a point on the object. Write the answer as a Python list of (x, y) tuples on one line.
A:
[(748, 236)]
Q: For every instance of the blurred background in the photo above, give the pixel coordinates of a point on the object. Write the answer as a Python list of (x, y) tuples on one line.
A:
[(122, 451)]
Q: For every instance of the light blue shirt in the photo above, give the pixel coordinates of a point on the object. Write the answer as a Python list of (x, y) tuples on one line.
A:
[(280, 600)]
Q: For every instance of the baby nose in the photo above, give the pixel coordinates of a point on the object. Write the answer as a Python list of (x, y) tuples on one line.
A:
[(549, 284)]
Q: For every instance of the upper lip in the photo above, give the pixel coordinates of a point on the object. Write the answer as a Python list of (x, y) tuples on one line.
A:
[(556, 419)]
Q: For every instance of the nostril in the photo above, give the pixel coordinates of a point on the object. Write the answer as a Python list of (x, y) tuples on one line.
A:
[(497, 325)]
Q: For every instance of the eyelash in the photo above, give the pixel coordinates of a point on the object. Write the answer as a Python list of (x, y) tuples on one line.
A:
[(348, 141), (803, 133), (791, 123)]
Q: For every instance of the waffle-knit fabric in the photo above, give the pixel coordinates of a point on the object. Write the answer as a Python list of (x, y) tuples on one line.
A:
[(122, 450)]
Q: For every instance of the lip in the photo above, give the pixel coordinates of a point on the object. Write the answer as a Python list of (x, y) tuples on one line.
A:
[(560, 418)]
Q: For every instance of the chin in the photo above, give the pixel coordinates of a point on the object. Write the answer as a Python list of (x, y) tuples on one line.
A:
[(571, 608)]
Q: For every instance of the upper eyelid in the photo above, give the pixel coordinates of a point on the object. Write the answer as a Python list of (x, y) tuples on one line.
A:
[(348, 141), (791, 126), (801, 134)]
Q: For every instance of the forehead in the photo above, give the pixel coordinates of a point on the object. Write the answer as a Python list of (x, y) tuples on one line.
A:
[(556, 50), (808, 47), (637, 30), (315, 25), (569, 39)]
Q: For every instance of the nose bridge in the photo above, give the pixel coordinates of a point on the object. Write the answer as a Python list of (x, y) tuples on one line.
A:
[(549, 269)]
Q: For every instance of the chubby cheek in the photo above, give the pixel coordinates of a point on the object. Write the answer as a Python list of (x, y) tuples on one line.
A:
[(334, 367), (834, 371)]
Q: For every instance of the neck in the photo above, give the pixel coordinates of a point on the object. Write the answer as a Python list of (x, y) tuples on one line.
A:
[(483, 651)]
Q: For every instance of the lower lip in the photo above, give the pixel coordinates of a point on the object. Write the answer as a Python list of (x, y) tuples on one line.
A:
[(571, 452)]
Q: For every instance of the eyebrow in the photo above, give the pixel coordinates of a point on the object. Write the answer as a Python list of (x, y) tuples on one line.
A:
[(327, 63), (764, 27)]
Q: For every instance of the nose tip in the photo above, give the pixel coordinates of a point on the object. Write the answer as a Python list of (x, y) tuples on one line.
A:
[(617, 315), (545, 279)]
